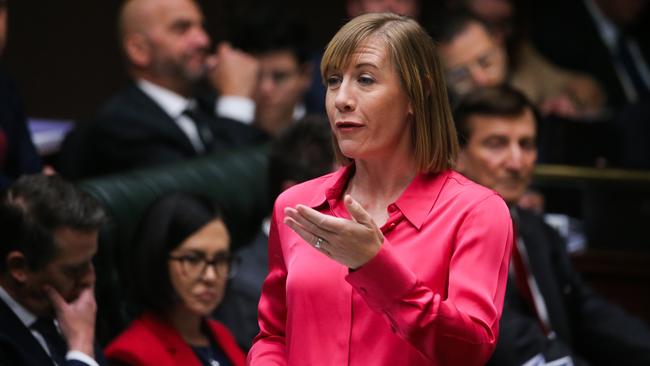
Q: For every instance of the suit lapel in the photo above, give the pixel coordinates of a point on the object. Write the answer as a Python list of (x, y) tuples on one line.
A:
[(152, 114), (19, 338), (540, 255)]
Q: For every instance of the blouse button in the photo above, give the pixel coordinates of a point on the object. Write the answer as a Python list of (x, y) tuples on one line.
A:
[(392, 208)]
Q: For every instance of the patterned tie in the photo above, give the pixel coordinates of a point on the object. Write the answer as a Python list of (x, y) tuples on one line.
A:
[(522, 277), (55, 342), (202, 126)]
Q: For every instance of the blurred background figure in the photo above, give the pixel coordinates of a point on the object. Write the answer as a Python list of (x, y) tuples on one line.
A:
[(550, 315), (302, 152), (161, 117), (17, 152), (281, 45), (614, 48), (179, 266), (475, 57), (603, 38)]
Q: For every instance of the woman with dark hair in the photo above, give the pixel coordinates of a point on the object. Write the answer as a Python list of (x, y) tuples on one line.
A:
[(181, 261)]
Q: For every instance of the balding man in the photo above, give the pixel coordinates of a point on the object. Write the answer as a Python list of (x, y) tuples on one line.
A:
[(159, 118)]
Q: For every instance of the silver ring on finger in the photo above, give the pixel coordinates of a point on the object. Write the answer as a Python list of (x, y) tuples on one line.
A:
[(319, 243)]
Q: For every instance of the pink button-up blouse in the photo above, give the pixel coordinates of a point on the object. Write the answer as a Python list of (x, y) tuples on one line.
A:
[(432, 295)]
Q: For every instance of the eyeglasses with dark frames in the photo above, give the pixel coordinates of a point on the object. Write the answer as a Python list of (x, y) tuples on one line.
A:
[(195, 264)]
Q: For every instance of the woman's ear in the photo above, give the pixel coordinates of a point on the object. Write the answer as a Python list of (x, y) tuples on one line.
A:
[(17, 266)]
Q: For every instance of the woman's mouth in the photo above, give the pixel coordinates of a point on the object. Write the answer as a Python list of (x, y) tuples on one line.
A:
[(348, 126)]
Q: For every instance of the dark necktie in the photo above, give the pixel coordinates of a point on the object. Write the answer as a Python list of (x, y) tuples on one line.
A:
[(55, 342), (202, 126), (522, 277), (627, 61)]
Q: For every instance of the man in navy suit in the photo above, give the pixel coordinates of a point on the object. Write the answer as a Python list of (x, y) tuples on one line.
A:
[(161, 117), (47, 306), (550, 315)]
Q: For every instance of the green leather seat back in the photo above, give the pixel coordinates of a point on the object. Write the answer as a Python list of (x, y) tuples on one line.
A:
[(236, 180)]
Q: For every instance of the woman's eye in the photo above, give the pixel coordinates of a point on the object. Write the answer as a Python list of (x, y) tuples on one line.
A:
[(192, 259), (365, 80), (333, 81)]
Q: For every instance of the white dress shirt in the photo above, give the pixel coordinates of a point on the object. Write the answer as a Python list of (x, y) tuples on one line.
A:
[(240, 109)]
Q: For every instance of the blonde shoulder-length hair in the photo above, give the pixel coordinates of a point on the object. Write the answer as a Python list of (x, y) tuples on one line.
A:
[(413, 55)]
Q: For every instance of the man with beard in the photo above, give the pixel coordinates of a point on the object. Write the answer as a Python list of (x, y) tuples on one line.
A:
[(160, 117), (550, 315)]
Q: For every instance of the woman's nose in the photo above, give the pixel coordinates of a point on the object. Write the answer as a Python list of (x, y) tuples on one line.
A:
[(345, 101)]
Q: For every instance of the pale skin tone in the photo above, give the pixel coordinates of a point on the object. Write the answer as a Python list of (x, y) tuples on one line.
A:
[(371, 116), (501, 153), (281, 85), (62, 289), (198, 296), (474, 58), (166, 44)]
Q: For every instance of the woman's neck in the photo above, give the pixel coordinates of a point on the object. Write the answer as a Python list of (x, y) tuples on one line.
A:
[(188, 324), (376, 184)]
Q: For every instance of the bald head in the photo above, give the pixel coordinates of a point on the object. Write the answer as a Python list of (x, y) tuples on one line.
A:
[(138, 16), (164, 42)]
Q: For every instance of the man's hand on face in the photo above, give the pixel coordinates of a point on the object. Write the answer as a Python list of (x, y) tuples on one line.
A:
[(76, 319), (233, 72)]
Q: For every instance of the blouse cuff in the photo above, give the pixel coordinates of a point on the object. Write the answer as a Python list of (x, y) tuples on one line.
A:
[(382, 280)]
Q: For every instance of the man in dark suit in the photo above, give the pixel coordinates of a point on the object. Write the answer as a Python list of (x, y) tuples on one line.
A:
[(601, 38), (159, 118), (47, 306), (549, 314), (17, 153)]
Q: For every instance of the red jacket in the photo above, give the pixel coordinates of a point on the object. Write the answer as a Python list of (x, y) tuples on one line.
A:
[(151, 341)]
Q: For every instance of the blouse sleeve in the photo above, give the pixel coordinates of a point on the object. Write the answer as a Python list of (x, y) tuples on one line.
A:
[(462, 328), (269, 347)]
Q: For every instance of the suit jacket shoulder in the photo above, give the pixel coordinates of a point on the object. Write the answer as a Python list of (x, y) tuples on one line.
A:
[(19, 347)]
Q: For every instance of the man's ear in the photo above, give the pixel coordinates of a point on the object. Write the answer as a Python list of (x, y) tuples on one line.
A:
[(17, 266), (137, 49)]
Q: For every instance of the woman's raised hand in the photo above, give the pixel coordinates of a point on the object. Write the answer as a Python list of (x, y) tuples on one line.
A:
[(349, 242)]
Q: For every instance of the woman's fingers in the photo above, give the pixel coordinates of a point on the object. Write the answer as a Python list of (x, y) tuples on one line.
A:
[(316, 221), (308, 236), (357, 212)]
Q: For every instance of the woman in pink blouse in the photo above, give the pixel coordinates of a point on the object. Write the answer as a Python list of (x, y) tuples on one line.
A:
[(394, 259)]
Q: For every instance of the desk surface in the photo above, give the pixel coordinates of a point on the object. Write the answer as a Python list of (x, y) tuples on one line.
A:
[(576, 174)]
